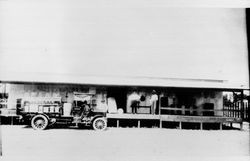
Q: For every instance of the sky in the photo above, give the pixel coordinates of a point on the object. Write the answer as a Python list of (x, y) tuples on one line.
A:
[(144, 38)]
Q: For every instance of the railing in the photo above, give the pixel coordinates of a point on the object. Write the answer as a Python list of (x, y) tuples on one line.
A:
[(246, 112), (237, 110), (189, 111)]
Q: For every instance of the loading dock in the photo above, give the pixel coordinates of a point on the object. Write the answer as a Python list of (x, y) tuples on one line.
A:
[(175, 118)]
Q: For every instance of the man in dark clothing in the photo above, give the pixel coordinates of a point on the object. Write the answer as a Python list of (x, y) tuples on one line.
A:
[(134, 99), (134, 105)]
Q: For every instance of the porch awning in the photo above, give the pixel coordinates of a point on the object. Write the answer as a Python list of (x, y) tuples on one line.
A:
[(121, 80)]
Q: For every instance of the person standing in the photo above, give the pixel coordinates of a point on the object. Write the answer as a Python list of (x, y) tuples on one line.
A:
[(134, 99), (153, 101)]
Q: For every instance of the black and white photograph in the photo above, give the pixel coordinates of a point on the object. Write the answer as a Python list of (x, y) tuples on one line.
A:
[(124, 80)]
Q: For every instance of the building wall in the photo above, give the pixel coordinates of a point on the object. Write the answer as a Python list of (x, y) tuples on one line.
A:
[(198, 98), (48, 90), (210, 97), (194, 100)]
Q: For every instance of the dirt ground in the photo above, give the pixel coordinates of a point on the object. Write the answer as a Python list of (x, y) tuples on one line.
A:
[(125, 144)]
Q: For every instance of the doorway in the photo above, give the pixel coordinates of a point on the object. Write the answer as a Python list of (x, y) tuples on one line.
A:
[(120, 96)]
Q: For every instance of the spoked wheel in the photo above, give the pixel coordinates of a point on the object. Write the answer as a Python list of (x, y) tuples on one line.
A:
[(100, 124), (39, 122)]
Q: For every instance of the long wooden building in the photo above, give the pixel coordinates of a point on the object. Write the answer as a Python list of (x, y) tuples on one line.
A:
[(196, 59)]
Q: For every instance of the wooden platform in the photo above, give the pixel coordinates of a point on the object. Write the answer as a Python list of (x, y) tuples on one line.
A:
[(134, 116), (176, 118), (207, 119)]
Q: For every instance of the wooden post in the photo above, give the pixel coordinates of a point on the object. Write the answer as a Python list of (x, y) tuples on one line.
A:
[(221, 125), (223, 110), (182, 110), (241, 126), (12, 120), (238, 111), (231, 107), (245, 110), (159, 105), (139, 124), (235, 109), (241, 105), (201, 126), (117, 123), (180, 126), (160, 111), (248, 111)]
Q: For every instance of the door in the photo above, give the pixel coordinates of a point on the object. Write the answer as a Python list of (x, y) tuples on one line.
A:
[(120, 96)]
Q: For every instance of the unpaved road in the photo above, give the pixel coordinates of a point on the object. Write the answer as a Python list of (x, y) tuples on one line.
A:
[(22, 143)]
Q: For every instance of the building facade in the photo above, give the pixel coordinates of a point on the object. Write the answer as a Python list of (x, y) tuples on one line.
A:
[(189, 56)]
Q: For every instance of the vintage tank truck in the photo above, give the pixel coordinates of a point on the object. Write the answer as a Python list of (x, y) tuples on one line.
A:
[(42, 112)]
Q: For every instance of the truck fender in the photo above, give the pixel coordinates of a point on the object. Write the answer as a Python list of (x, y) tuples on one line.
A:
[(43, 115), (97, 116)]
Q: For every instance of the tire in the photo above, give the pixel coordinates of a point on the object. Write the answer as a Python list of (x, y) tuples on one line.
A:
[(39, 122), (99, 124)]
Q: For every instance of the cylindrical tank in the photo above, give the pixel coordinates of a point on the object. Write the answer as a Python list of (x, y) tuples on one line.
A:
[(67, 107)]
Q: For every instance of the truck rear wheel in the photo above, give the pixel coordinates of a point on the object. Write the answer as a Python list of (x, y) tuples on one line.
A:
[(99, 124), (39, 122)]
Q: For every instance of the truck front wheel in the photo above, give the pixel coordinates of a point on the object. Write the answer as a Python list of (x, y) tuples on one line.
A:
[(99, 124), (39, 122)]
